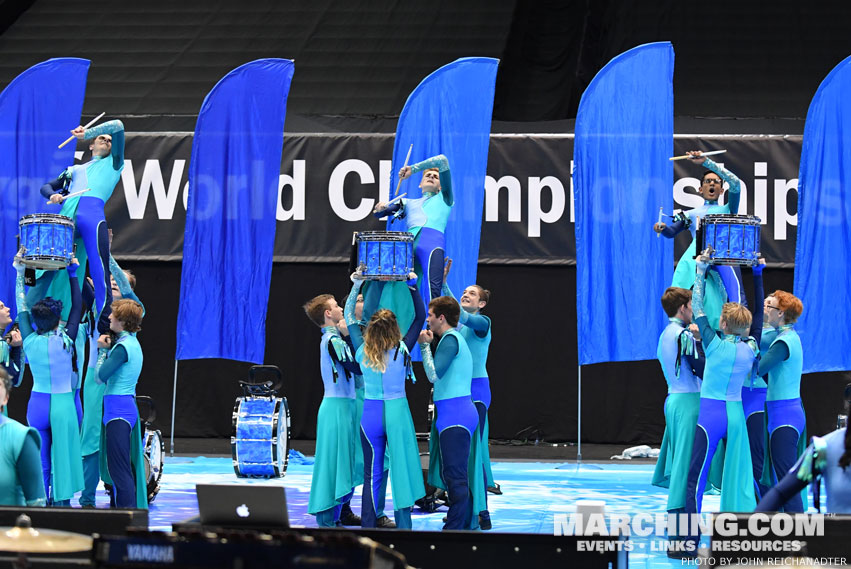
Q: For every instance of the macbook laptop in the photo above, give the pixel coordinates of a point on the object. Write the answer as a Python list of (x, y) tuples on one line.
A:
[(242, 505)]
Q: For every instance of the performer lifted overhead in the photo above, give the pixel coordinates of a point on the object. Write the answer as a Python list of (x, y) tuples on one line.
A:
[(724, 283), (99, 176), (426, 219)]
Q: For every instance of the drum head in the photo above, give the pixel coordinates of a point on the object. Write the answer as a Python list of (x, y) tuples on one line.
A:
[(46, 263)]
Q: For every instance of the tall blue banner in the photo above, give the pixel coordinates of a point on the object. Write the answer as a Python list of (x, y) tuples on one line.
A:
[(449, 113), (230, 218), (622, 176), (823, 250), (38, 109)]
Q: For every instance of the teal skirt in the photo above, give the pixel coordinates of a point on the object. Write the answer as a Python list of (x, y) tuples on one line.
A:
[(333, 469), (406, 474), (681, 412)]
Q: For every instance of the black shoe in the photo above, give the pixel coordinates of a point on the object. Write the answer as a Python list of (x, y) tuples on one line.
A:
[(485, 520), (88, 506), (349, 518), (445, 518), (495, 489), (385, 523)]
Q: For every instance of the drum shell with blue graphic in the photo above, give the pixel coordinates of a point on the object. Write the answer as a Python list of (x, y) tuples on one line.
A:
[(261, 437), (732, 239), (385, 255), (48, 240)]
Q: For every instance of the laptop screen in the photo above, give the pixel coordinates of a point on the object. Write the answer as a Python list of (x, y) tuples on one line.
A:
[(242, 505)]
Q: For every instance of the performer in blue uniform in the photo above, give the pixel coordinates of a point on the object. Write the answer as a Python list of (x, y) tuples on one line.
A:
[(682, 365), (51, 408), (476, 330), (724, 283), (730, 359), (384, 359), (784, 363), (21, 483), (333, 479), (99, 175), (10, 347), (121, 456), (753, 402), (426, 219), (450, 369), (123, 283)]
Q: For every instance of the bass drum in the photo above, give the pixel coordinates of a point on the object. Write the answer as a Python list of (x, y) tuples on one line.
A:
[(154, 454), (261, 437)]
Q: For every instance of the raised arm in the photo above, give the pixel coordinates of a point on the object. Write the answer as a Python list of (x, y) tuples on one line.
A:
[(707, 333), (76, 302), (116, 129), (24, 322), (734, 185), (759, 300), (123, 283), (349, 314), (442, 164)]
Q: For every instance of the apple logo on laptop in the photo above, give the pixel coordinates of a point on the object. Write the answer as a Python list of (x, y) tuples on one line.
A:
[(242, 511)]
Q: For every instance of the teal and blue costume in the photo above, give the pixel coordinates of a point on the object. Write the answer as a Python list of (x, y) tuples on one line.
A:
[(476, 330), (99, 175), (753, 401), (784, 363), (426, 218), (386, 424), (20, 465), (724, 283), (729, 362), (455, 460), (121, 455), (682, 365), (333, 479), (93, 392), (51, 409), (821, 458), (10, 359)]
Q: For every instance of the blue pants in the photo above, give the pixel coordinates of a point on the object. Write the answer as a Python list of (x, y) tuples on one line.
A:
[(482, 410), (456, 420), (374, 443), (118, 460), (711, 428), (731, 276), (91, 225), (79, 405), (38, 417), (429, 251), (753, 401), (786, 424)]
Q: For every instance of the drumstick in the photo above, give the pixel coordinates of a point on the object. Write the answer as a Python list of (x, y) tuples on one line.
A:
[(397, 198), (408, 157), (75, 194), (90, 123), (711, 153), (660, 221)]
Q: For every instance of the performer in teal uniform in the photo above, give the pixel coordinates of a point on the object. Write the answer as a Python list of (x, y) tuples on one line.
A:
[(784, 363), (21, 483), (682, 365), (384, 359), (121, 455), (476, 330), (51, 408), (333, 479), (730, 359), (723, 283), (99, 175), (10, 347), (426, 219), (454, 461), (123, 283)]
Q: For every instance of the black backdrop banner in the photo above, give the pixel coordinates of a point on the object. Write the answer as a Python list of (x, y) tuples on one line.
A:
[(329, 184)]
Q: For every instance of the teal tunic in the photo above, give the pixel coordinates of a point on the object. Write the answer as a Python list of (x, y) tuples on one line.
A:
[(784, 380), (12, 438)]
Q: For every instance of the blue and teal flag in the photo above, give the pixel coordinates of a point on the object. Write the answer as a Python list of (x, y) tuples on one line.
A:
[(230, 217), (38, 109), (622, 176), (823, 248)]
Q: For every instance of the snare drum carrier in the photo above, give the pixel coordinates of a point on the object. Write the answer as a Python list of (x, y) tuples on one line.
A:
[(731, 239), (261, 428)]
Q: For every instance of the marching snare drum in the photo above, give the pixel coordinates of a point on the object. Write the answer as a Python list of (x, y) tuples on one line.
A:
[(154, 453), (261, 437), (733, 239), (385, 255), (48, 240)]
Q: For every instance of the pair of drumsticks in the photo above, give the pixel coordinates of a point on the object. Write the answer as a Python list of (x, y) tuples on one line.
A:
[(69, 139)]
